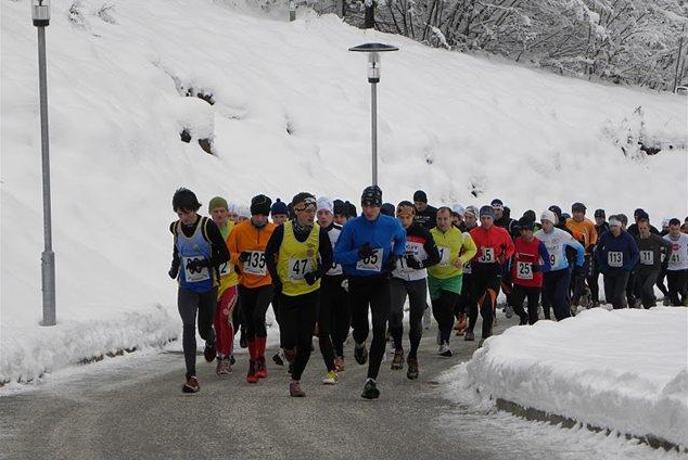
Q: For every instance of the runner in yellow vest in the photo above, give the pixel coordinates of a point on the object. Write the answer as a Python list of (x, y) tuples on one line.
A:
[(297, 255), (444, 279)]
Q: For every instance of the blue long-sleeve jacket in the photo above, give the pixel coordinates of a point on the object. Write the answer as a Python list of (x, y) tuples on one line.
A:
[(616, 252), (385, 233)]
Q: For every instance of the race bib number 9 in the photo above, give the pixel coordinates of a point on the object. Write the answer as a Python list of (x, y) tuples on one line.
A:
[(524, 271), (552, 257), (487, 256), (196, 275), (255, 264), (647, 257), (615, 259), (373, 263), (298, 268)]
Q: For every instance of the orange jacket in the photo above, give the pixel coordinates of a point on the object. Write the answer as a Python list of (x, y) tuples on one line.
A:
[(584, 232), (246, 238)]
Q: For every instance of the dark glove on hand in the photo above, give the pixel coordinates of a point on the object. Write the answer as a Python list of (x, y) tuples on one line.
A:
[(311, 278), (536, 268), (414, 263), (195, 265), (391, 264), (244, 256), (365, 251), (174, 271)]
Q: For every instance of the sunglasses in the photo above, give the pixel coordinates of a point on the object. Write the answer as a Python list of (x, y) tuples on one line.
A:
[(308, 207)]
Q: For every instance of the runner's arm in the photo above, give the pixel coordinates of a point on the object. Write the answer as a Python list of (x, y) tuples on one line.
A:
[(272, 251), (325, 251), (345, 252), (544, 255), (220, 254), (468, 249), (431, 249)]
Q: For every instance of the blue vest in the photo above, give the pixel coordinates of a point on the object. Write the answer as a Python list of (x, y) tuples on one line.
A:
[(195, 247)]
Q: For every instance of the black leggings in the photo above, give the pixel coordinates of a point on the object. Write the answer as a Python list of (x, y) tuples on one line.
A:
[(615, 287), (254, 305), (443, 310), (519, 295), (417, 294), (485, 288), (297, 321), (189, 303), (645, 287), (678, 286), (373, 292), (464, 303), (334, 317)]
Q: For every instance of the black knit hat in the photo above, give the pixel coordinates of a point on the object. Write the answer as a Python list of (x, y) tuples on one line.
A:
[(420, 196), (260, 204), (338, 207), (600, 213), (372, 196), (387, 209), (580, 207), (350, 210)]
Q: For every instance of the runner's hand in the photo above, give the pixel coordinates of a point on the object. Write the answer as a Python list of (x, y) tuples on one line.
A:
[(365, 251)]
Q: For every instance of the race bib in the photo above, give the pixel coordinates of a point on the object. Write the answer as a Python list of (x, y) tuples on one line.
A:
[(197, 275), (552, 257), (524, 271), (444, 255), (298, 268), (255, 264), (615, 259), (372, 263), (224, 269), (487, 256), (647, 257), (675, 258), (467, 268)]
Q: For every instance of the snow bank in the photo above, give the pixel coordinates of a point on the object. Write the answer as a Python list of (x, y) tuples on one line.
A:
[(625, 370), (290, 113)]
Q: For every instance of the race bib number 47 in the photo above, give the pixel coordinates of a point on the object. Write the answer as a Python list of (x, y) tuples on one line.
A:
[(372, 263), (255, 264)]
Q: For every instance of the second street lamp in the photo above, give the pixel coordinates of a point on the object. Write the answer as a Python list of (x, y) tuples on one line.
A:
[(374, 50)]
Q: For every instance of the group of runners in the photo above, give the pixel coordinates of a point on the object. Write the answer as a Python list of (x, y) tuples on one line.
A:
[(326, 270)]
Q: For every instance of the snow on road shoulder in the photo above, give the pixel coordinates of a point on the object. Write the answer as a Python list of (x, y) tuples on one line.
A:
[(625, 370), (27, 354)]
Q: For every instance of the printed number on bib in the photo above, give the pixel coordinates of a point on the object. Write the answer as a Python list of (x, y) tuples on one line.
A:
[(487, 256), (615, 259), (197, 275), (444, 255), (675, 258), (255, 264), (298, 268), (524, 271), (647, 257), (373, 263), (467, 270), (552, 257), (224, 269)]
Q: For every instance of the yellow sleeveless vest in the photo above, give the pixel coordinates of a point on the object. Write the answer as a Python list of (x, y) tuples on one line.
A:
[(296, 259)]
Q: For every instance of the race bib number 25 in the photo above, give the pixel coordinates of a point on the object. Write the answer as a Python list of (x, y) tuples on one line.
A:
[(524, 270)]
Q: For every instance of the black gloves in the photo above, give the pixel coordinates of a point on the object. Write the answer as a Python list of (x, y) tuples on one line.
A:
[(365, 251), (535, 268), (414, 263), (244, 256), (174, 271), (311, 278), (391, 264)]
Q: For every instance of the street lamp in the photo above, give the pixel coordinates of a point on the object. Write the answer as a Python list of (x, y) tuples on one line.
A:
[(374, 50), (40, 12)]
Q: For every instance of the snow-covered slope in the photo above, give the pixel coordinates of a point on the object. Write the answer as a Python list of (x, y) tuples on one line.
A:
[(291, 113)]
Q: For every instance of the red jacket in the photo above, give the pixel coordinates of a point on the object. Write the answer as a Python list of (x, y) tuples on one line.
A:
[(494, 245), (526, 269)]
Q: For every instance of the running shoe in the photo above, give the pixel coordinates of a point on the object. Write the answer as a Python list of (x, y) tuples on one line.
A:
[(370, 390), (339, 363), (295, 390), (470, 336), (223, 366), (191, 385), (445, 350), (361, 353), (330, 378), (398, 361), (251, 376), (209, 352), (412, 372)]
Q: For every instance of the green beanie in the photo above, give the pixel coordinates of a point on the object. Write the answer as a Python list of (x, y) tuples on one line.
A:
[(217, 202)]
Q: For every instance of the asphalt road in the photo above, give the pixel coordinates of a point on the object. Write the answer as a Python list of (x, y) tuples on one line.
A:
[(135, 409)]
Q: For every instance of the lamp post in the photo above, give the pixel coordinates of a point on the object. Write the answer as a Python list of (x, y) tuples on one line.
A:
[(40, 12), (373, 50)]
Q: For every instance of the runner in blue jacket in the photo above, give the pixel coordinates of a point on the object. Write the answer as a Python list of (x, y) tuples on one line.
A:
[(616, 255), (367, 249)]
